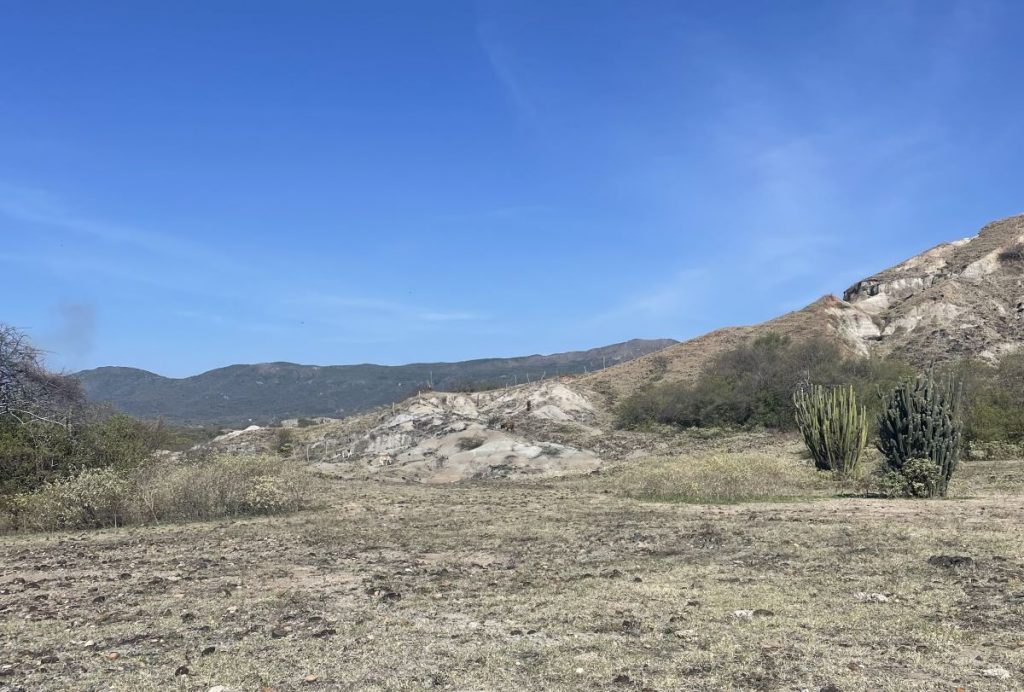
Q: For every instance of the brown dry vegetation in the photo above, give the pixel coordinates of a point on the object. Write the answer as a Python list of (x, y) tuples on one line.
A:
[(557, 585)]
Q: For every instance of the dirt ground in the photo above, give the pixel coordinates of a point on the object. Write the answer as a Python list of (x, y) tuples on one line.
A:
[(556, 585)]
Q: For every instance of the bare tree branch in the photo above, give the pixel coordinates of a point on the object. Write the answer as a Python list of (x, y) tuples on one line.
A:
[(27, 389)]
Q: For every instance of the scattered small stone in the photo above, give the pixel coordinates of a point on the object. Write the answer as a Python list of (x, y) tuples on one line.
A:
[(310, 678), (871, 597), (278, 632), (181, 670), (89, 645), (48, 659), (6, 669), (762, 613), (218, 688), (997, 673), (112, 655), (622, 679), (830, 687), (743, 614), (579, 671), (324, 633), (208, 650)]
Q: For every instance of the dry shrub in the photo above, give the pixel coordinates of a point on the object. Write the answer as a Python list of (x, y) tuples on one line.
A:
[(1014, 253), (722, 478), (163, 490), (92, 499), (220, 487)]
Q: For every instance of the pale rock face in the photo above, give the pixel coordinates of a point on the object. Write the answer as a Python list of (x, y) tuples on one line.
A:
[(855, 326), (236, 433), (978, 269), (550, 412), (389, 443), (933, 312), (875, 304)]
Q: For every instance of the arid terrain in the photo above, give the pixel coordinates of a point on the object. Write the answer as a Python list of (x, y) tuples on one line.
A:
[(519, 538), (557, 584)]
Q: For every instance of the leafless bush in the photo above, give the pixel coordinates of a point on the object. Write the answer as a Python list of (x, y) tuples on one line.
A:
[(28, 391)]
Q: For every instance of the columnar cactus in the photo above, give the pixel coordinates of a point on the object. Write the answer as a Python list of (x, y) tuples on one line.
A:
[(835, 429), (920, 419)]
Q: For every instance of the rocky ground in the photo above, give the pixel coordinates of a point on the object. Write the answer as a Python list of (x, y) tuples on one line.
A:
[(544, 585)]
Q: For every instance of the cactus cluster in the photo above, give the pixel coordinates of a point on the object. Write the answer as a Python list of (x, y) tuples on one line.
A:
[(920, 420), (834, 427)]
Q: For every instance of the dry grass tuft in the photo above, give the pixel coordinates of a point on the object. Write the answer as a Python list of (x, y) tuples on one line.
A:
[(722, 477)]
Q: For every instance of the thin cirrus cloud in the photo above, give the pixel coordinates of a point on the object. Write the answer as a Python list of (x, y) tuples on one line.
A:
[(42, 208), (500, 61), (378, 307)]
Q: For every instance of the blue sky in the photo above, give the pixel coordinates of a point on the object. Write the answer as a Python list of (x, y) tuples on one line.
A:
[(191, 184)]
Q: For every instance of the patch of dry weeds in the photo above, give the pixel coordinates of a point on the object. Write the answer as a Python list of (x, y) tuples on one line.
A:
[(542, 586)]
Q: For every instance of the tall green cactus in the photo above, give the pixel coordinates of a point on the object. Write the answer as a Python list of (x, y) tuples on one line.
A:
[(835, 429), (920, 419)]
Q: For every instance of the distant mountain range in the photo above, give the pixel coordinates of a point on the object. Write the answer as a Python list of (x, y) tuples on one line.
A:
[(270, 392)]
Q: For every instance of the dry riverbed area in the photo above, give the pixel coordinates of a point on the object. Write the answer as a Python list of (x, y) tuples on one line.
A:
[(554, 585)]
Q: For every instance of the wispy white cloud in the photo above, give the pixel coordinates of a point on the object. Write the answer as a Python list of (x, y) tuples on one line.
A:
[(496, 213), (43, 208), (686, 290), (448, 316), (500, 60), (378, 307), (230, 322)]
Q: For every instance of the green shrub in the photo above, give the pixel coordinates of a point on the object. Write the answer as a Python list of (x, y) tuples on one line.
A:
[(118, 441), (34, 453), (917, 478), (834, 427), (37, 452), (753, 385), (921, 421), (993, 399)]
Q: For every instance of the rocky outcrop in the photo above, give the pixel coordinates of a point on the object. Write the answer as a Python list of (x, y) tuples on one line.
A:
[(964, 298)]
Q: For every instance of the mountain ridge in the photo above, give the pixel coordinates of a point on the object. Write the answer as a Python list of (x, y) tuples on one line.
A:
[(272, 391)]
